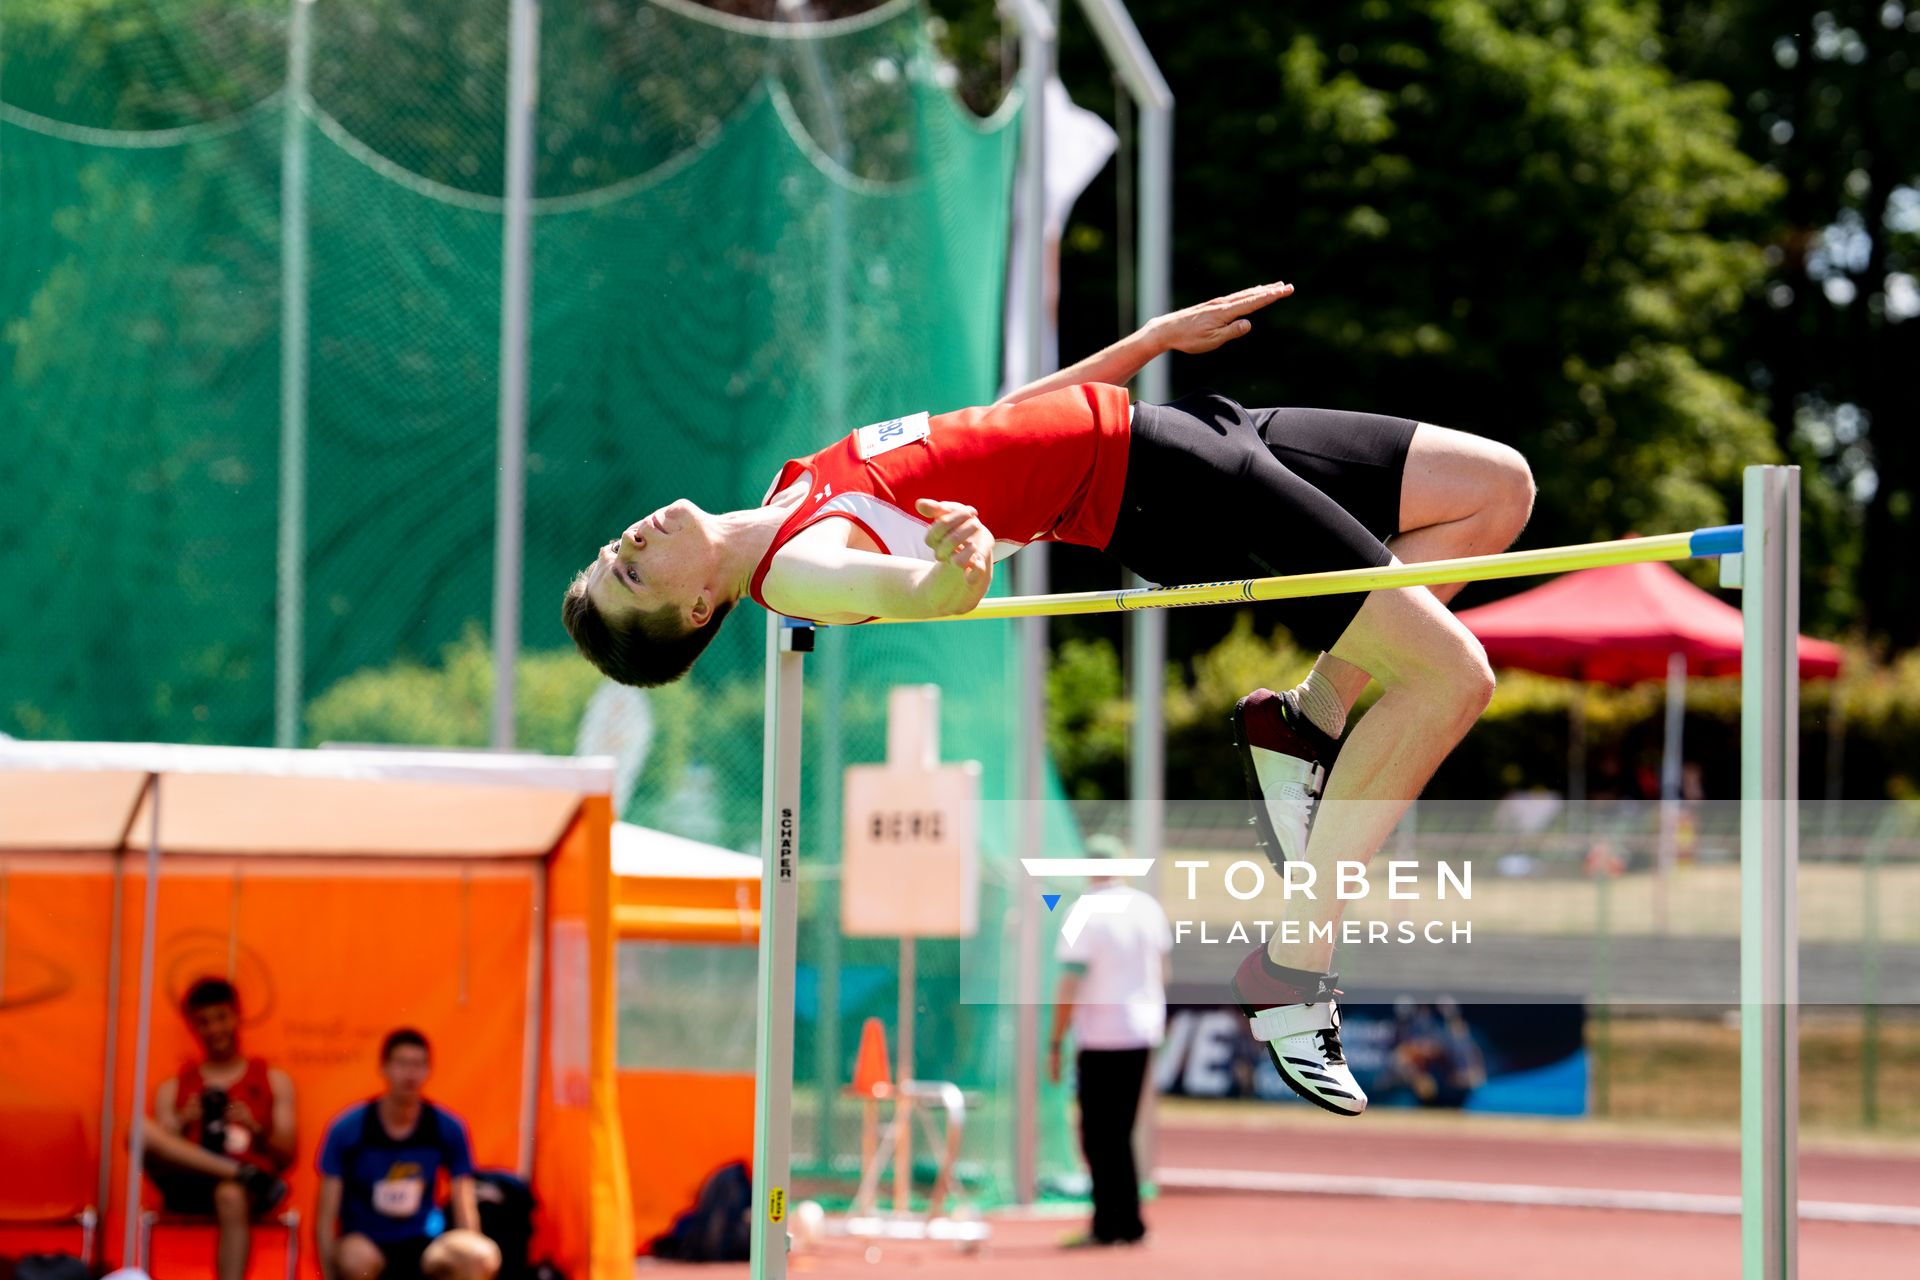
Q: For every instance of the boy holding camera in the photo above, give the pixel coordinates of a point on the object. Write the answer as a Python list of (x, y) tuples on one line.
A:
[(222, 1130)]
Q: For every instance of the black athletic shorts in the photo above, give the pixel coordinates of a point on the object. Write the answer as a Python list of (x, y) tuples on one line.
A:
[(1216, 492), (184, 1191), (403, 1257)]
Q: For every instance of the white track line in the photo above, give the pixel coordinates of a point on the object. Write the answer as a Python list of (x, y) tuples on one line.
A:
[(1264, 1180)]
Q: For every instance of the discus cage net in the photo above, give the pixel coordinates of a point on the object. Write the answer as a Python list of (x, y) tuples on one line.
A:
[(745, 238)]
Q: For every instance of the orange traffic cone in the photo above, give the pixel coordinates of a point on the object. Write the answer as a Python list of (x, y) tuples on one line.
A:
[(871, 1078)]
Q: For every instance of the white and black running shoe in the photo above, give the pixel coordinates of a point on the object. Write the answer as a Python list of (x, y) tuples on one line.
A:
[(1285, 758), (1301, 1029)]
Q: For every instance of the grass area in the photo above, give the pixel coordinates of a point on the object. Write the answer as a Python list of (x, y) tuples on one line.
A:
[(1686, 1071), (1679, 1078)]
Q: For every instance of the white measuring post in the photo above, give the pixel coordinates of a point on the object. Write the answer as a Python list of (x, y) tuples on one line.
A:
[(1769, 860), (910, 868), (787, 644)]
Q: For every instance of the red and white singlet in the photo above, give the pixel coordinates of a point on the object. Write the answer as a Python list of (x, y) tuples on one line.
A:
[(1048, 469)]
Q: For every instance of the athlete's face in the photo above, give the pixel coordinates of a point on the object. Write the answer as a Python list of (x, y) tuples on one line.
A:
[(217, 1028), (667, 560), (406, 1070)]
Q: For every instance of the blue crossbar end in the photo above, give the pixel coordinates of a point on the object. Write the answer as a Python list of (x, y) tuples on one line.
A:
[(1721, 540)]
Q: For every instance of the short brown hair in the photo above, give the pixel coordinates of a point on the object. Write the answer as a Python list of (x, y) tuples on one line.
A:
[(402, 1038), (208, 993), (648, 652)]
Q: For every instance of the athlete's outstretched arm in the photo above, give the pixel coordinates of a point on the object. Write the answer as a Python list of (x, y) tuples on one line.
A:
[(816, 575), (1194, 330)]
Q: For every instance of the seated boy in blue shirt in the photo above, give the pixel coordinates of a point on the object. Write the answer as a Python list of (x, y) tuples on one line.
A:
[(380, 1167)]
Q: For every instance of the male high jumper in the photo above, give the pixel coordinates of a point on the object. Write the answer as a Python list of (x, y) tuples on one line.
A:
[(906, 518)]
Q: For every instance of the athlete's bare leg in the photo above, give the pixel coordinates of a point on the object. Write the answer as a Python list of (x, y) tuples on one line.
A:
[(1437, 683), (1460, 495)]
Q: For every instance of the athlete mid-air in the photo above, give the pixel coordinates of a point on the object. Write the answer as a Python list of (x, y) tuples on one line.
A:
[(906, 519)]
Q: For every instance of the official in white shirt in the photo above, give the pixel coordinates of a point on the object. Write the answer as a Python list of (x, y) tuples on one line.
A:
[(1113, 996)]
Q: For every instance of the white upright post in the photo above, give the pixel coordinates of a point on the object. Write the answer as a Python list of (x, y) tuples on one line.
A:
[(516, 276), (290, 615), (1769, 858), (1672, 750), (787, 643)]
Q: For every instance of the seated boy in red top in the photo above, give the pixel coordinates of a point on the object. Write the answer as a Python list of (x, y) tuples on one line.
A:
[(222, 1130), (906, 518)]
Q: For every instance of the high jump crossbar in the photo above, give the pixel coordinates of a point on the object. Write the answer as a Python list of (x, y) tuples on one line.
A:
[(1761, 556), (1716, 541)]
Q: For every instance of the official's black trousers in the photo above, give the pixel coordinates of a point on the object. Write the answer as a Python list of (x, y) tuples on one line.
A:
[(1109, 1082)]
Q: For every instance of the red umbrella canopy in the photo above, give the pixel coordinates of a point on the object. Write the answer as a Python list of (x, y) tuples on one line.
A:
[(1618, 624)]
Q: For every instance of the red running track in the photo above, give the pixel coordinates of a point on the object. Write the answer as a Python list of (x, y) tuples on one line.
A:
[(1388, 1146), (1201, 1236)]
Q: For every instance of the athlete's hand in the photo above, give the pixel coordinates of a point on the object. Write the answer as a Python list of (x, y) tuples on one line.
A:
[(1213, 324), (239, 1113), (957, 536)]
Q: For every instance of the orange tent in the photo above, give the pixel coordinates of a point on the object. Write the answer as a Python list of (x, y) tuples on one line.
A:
[(344, 893)]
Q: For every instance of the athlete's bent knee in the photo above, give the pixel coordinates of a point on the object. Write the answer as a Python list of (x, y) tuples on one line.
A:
[(1477, 681), (461, 1255), (1455, 665), (358, 1258), (1511, 491)]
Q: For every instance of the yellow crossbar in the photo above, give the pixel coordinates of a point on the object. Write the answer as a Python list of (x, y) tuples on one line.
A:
[(1431, 573)]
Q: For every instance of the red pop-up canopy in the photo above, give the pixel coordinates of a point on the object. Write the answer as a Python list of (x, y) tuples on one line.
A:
[(1621, 625)]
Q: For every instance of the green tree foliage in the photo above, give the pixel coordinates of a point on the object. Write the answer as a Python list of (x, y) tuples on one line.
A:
[(1825, 93), (1520, 743), (449, 704), (1508, 216)]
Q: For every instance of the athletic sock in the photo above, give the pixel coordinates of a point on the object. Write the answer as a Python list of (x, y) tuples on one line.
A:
[(1321, 704), (1305, 981)]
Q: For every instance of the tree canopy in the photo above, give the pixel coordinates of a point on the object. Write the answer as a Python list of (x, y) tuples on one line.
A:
[(1511, 218)]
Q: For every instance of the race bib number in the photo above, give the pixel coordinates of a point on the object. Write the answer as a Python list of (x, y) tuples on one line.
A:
[(399, 1197), (871, 441)]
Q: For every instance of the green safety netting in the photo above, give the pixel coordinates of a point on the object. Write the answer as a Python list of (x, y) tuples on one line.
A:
[(747, 239)]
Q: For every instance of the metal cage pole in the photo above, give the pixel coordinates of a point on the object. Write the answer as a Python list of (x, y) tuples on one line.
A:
[(516, 272), (290, 614), (832, 662), (143, 1027), (1038, 35), (787, 643), (1127, 54), (110, 1056), (530, 1058), (1769, 857)]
